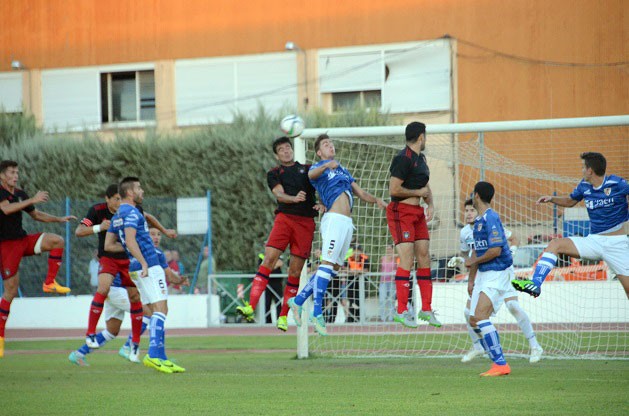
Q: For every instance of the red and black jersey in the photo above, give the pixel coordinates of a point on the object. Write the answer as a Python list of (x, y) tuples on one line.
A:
[(96, 215), (11, 225), (293, 179), (411, 168)]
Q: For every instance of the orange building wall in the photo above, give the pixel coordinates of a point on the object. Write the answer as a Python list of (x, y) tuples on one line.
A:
[(56, 33)]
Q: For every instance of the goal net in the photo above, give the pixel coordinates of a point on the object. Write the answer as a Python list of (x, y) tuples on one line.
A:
[(583, 310)]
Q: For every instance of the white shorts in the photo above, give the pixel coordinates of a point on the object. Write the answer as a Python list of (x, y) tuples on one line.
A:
[(153, 287), (116, 304), (336, 236), (614, 249), (496, 285)]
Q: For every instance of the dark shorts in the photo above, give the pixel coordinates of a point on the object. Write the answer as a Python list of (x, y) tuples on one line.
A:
[(407, 223), (114, 267), (12, 251), (294, 230)]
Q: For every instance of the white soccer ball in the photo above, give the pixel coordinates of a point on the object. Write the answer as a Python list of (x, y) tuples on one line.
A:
[(292, 125)]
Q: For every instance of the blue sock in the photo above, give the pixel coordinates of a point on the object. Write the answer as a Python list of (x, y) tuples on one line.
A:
[(543, 267), (102, 338), (84, 350), (492, 342), (480, 338), (307, 290), (322, 279), (156, 337), (145, 323)]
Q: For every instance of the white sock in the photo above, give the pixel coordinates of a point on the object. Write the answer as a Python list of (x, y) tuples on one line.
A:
[(471, 332), (523, 322)]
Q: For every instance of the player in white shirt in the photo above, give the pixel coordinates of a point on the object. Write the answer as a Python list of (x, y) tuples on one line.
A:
[(511, 299)]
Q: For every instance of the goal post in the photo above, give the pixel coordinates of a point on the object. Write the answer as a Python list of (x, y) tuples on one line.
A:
[(583, 311)]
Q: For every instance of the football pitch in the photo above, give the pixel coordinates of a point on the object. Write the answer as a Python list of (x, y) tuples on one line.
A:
[(247, 375)]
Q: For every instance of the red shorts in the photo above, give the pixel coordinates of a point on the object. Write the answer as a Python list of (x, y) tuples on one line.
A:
[(407, 223), (294, 230), (12, 251), (115, 266)]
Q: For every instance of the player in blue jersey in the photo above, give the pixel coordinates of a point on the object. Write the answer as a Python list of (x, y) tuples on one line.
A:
[(491, 271), (335, 186), (129, 227), (606, 202), (117, 303)]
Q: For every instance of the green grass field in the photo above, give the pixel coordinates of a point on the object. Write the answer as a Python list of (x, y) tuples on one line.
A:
[(260, 376)]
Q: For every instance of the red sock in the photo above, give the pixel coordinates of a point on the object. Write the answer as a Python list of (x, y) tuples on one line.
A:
[(425, 287), (96, 309), (136, 322), (290, 291), (54, 262), (259, 284), (5, 307), (402, 287)]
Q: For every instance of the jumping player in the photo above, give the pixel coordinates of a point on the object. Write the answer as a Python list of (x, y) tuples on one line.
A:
[(294, 225), (15, 243)]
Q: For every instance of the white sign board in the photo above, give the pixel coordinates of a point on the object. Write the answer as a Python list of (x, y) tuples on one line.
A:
[(192, 216)]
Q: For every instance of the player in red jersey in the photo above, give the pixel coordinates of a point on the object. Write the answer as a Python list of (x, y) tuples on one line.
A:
[(97, 222), (294, 225), (407, 221), (15, 243)]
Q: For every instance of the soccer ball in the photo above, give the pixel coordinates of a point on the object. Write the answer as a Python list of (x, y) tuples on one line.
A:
[(292, 125)]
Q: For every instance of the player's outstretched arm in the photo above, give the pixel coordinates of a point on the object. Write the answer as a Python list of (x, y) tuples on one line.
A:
[(83, 230), (9, 208), (396, 189), (174, 278), (318, 171), (562, 201), (367, 197), (45, 217), (154, 222), (284, 198)]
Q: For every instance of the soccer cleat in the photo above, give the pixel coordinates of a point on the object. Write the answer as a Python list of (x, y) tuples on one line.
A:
[(134, 353), (536, 355), (526, 286), (296, 309), (406, 319), (497, 370), (174, 367), (124, 351), (55, 287), (429, 316), (282, 323), (319, 324), (471, 354), (156, 363), (246, 312), (90, 341), (1, 347), (77, 359)]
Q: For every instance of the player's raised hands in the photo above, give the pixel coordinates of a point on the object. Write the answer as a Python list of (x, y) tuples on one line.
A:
[(332, 164), (40, 196), (544, 199), (170, 233)]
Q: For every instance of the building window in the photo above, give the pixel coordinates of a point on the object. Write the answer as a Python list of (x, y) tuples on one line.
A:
[(127, 96), (343, 101)]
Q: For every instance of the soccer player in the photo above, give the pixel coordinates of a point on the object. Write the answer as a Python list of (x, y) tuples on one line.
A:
[(294, 225), (129, 226), (335, 186), (491, 270), (407, 221), (97, 221), (606, 202), (117, 303), (511, 299), (15, 243)]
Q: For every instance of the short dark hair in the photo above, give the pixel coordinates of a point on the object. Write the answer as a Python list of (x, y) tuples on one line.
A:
[(6, 164), (414, 130), (281, 140), (485, 191), (468, 202), (126, 184), (111, 190), (321, 138), (595, 161)]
